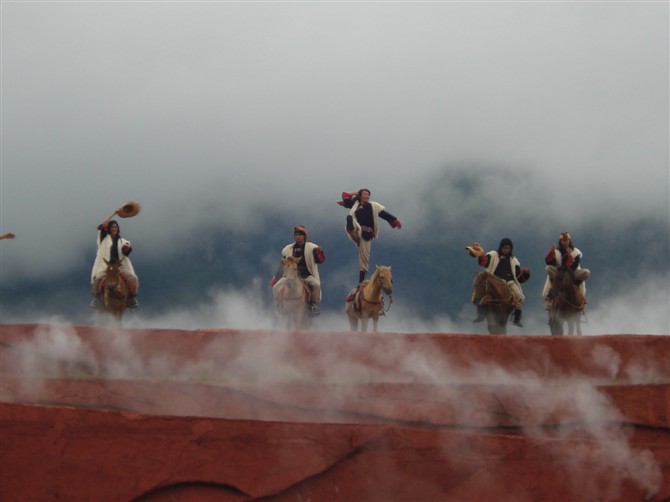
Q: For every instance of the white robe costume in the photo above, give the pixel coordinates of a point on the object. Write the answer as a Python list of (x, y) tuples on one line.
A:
[(356, 235), (104, 253), (580, 273), (358, 231), (313, 281), (514, 285)]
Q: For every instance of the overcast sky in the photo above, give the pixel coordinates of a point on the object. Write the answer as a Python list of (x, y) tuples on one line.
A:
[(214, 113)]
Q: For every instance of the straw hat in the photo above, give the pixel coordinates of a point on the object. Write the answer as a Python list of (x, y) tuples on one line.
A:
[(129, 209)]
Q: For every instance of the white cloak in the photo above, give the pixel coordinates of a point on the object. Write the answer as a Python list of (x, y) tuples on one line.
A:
[(104, 249), (376, 209), (309, 258)]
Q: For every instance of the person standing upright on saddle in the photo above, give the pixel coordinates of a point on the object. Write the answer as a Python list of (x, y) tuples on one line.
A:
[(362, 225), (503, 264), (310, 255), (567, 255), (113, 248)]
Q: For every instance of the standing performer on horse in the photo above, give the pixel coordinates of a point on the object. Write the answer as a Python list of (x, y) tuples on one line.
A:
[(503, 264), (363, 224), (568, 256), (113, 248), (309, 256)]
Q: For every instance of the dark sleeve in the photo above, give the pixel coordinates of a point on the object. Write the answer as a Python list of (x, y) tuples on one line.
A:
[(319, 255), (387, 216), (517, 270), (485, 260), (103, 230), (575, 262), (348, 200), (279, 273), (550, 259)]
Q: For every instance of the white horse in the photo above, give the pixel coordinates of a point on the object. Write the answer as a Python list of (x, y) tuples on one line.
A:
[(291, 296)]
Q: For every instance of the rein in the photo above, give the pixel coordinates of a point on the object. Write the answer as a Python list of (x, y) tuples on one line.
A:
[(563, 297), (381, 292)]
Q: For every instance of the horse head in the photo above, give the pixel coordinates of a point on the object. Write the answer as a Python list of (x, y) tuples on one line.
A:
[(385, 277), (290, 264), (112, 273), (113, 265), (563, 280)]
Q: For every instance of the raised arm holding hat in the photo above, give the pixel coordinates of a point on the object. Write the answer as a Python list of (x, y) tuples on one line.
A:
[(113, 248)]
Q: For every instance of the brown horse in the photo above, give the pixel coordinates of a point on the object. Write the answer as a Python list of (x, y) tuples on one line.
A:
[(115, 291), (565, 303), (292, 296), (368, 302), (495, 296)]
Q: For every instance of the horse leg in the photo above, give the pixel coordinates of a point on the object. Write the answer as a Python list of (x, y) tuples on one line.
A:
[(492, 322), (555, 323), (364, 323), (375, 321)]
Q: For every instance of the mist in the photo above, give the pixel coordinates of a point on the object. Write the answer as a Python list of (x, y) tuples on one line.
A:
[(586, 412), (218, 114)]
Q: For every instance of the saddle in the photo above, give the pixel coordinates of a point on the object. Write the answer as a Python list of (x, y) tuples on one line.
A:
[(354, 297)]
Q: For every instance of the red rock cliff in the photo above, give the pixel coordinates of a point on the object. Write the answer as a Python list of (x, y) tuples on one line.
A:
[(104, 414)]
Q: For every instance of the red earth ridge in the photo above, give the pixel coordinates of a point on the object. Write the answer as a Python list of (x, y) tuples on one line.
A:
[(92, 413)]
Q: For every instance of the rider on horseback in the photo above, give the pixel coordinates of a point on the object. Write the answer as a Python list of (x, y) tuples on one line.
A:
[(503, 264), (363, 224), (309, 255), (566, 255), (112, 247)]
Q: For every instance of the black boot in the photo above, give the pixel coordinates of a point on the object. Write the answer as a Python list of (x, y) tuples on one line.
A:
[(481, 314), (361, 276), (132, 302), (517, 318)]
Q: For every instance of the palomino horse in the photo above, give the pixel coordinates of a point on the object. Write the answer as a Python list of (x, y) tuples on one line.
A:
[(115, 291), (565, 303), (495, 296), (291, 296), (368, 302)]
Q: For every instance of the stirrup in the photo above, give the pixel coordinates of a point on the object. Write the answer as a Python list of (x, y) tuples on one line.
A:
[(133, 303)]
